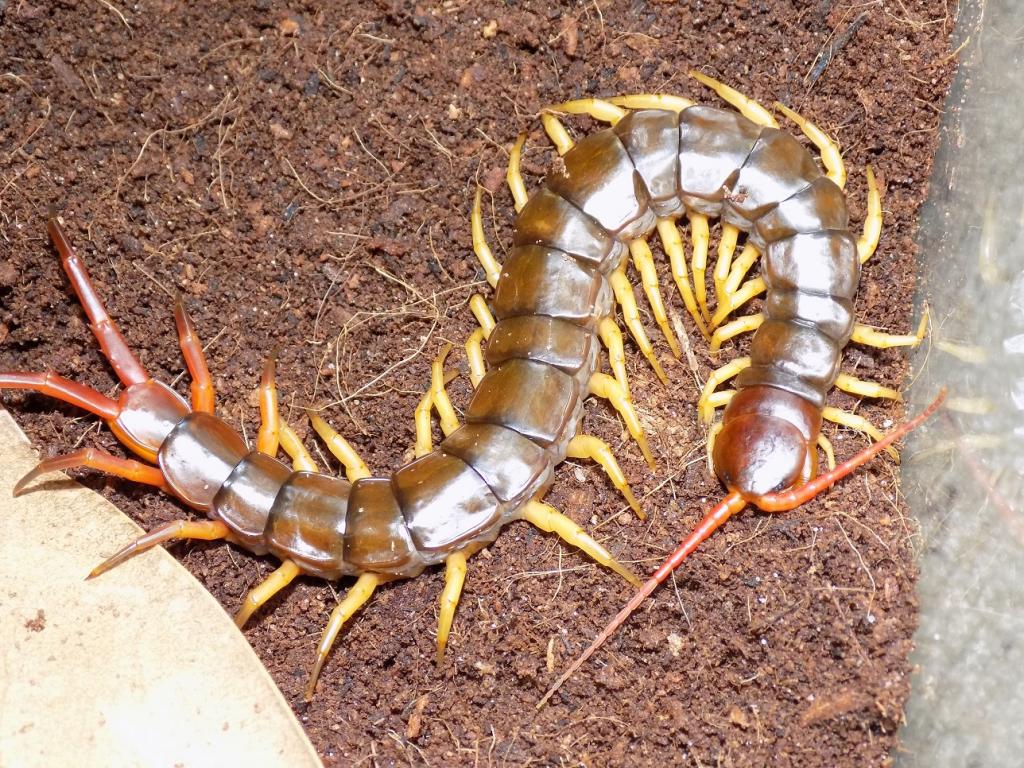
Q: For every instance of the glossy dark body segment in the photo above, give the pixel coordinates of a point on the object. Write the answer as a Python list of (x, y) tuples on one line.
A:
[(554, 222), (198, 456), (536, 400), (444, 501), (245, 499), (557, 342), (598, 177), (651, 138), (812, 279), (148, 420), (511, 465), (376, 536), (820, 206), (308, 522), (713, 145), (544, 281), (777, 168)]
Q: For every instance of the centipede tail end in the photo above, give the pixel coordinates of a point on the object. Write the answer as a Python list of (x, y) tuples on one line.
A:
[(730, 505)]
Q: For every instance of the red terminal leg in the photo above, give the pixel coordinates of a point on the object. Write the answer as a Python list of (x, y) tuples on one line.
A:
[(127, 367), (195, 361), (794, 497), (206, 530), (730, 505), (94, 458), (62, 389), (721, 512)]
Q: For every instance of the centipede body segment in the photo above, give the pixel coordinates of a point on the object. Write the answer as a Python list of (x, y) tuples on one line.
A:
[(553, 307)]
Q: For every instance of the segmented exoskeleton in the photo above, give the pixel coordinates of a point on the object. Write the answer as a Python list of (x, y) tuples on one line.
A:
[(553, 304)]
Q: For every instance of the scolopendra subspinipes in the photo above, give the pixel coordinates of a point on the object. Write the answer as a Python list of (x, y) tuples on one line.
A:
[(662, 158)]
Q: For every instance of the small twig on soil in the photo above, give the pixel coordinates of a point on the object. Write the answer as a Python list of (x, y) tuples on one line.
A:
[(236, 41), (437, 142), (860, 557), (158, 284), (331, 82), (373, 156), (119, 15), (19, 79), (46, 117), (221, 108), (833, 47)]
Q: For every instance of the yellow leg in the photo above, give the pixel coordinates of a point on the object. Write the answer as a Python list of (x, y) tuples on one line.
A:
[(603, 385), (267, 440), (356, 598), (858, 423), (454, 578), (726, 250), (355, 467), (862, 388), (672, 243), (705, 409), (631, 315), (424, 438), (596, 449), (968, 353), (963, 442), (611, 337), (700, 237), (438, 394), (266, 589), (436, 398), (713, 431), (872, 222), (549, 519), (749, 108), (475, 356), (735, 328), (830, 455), (643, 260), (599, 109), (753, 287), (556, 132), (720, 398), (974, 406), (514, 174), (740, 267), (830, 155), (863, 334), (483, 315), (301, 460), (483, 251), (652, 101)]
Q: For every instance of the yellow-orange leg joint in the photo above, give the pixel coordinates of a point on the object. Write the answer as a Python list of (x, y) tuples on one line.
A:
[(356, 598), (454, 578), (265, 590)]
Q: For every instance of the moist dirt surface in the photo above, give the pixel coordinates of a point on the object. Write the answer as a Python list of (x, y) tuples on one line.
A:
[(302, 176)]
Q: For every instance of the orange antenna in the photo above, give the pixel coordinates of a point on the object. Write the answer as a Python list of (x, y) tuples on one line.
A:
[(726, 508)]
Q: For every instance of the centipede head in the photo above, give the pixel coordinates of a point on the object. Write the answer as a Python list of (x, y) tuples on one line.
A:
[(766, 443)]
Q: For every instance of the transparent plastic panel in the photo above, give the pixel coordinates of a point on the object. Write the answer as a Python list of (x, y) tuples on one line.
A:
[(964, 474)]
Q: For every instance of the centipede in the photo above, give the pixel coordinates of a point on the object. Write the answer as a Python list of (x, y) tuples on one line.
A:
[(534, 360)]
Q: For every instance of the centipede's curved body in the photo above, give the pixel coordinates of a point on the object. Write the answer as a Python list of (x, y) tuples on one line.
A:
[(553, 292)]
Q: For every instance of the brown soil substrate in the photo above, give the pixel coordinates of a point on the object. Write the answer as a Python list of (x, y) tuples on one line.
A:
[(302, 175)]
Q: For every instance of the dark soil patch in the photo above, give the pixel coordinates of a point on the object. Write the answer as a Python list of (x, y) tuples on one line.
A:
[(302, 174)]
